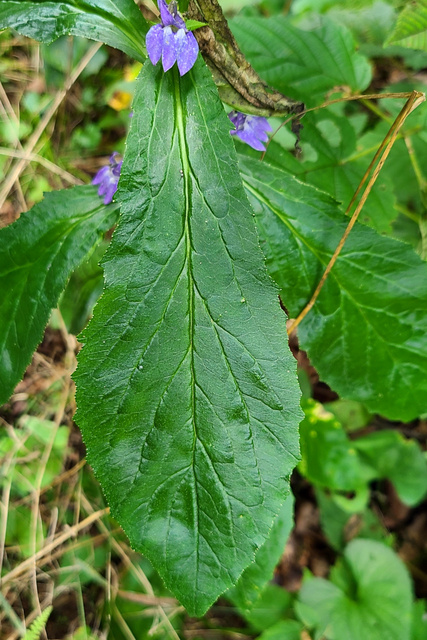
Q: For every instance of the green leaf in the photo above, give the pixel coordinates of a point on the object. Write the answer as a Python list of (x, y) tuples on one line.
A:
[(269, 608), (283, 630), (34, 632), (37, 436), (352, 415), (83, 290), (187, 391), (304, 65), (322, 6), (191, 25), (411, 27), (399, 460), (371, 597), (253, 580), (38, 252), (329, 458), (367, 333), (419, 621), (331, 162), (118, 23), (339, 525)]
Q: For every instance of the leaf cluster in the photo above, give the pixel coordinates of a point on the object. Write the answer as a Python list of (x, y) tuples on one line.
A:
[(186, 389)]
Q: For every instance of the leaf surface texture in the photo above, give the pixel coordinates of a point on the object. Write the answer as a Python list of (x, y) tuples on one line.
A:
[(118, 23), (38, 252), (367, 332), (302, 64), (187, 394)]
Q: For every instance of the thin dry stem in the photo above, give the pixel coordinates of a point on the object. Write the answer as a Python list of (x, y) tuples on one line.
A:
[(147, 600), (34, 138), (328, 103), (41, 556), (415, 99), (51, 166), (66, 475)]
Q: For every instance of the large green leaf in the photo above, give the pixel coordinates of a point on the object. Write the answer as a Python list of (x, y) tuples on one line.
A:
[(302, 64), (369, 596), (253, 580), (367, 332), (38, 252), (187, 395), (332, 160), (118, 23), (411, 27)]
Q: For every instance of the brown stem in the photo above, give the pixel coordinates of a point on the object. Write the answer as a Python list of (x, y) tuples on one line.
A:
[(415, 99), (239, 85)]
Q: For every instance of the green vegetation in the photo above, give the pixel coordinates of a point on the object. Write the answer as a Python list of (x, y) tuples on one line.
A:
[(345, 558)]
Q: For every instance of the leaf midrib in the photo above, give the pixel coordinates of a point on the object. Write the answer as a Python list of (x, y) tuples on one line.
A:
[(180, 124)]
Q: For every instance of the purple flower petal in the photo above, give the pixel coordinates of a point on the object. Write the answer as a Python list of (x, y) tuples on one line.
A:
[(177, 20), (250, 129), (108, 178), (169, 48), (250, 138), (116, 169), (187, 50), (259, 126), (112, 159), (154, 43), (237, 118), (109, 193), (101, 175), (165, 14)]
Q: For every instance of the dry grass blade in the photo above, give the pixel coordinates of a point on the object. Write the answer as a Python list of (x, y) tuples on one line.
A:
[(34, 157), (138, 574), (43, 554), (147, 600), (34, 138), (416, 98)]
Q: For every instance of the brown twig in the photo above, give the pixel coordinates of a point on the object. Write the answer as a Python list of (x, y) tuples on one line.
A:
[(415, 99), (328, 103)]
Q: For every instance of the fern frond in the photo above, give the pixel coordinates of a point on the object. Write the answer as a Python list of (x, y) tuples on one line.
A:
[(38, 625)]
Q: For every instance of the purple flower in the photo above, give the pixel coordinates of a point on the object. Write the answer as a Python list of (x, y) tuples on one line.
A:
[(108, 178), (171, 41), (250, 129)]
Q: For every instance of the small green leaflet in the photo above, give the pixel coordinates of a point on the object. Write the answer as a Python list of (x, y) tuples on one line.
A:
[(304, 65), (191, 25), (38, 252), (369, 596), (186, 388), (367, 333), (35, 631), (118, 23), (411, 27)]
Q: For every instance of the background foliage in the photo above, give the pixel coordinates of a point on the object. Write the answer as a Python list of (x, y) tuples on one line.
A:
[(357, 553)]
